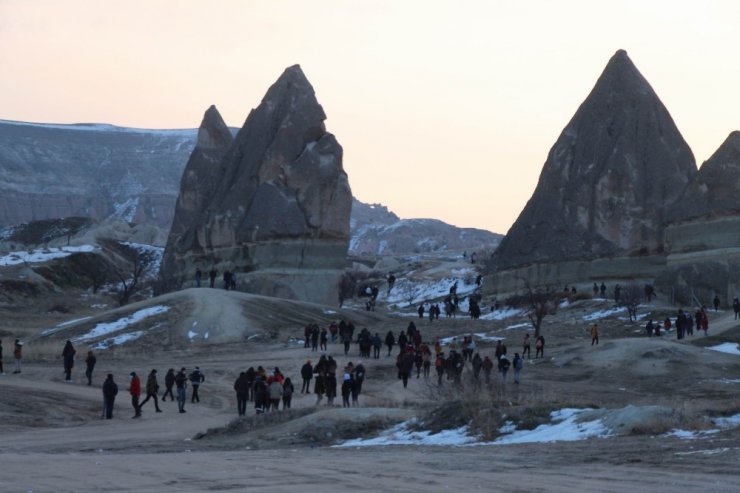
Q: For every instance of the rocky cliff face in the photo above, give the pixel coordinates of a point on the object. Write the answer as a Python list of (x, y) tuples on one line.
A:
[(99, 171), (376, 231), (608, 180), (277, 211)]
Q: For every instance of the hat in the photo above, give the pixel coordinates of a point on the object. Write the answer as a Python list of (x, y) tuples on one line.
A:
[(133, 374), (182, 369), (154, 371)]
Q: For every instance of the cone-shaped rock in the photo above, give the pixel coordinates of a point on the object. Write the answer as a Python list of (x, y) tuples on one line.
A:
[(275, 210), (607, 181), (715, 190)]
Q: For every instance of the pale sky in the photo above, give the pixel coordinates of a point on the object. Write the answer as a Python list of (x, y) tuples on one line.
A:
[(445, 109)]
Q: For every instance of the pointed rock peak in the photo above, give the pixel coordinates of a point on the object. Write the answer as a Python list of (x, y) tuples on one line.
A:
[(213, 131), (621, 75), (293, 86), (727, 154)]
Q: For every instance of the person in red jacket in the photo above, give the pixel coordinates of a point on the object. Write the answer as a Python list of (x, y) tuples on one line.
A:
[(135, 390)]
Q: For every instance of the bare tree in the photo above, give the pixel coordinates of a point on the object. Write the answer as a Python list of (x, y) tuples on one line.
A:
[(538, 302), (130, 273), (631, 298)]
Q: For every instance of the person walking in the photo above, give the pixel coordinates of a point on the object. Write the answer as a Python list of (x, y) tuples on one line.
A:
[(110, 390), (405, 366), (152, 387), (390, 341), (503, 367), (169, 382), (288, 390), (198, 277), (527, 345), (715, 302), (276, 393), (90, 366), (212, 276), (68, 356), (377, 343), (135, 391), (518, 364), (181, 382), (594, 334), (487, 366), (17, 355), (241, 386), (261, 395), (347, 385), (196, 378)]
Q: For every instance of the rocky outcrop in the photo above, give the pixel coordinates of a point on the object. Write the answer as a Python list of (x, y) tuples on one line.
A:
[(277, 210), (376, 231), (99, 171), (608, 181), (703, 237)]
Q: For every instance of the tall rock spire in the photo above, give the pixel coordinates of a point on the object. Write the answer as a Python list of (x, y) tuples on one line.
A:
[(274, 209), (608, 180)]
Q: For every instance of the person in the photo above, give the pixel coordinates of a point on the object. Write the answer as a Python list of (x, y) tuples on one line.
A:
[(152, 387), (736, 307), (315, 338), (390, 341), (323, 338), (198, 277), (487, 366), (715, 302), (181, 382), (439, 365), (377, 343), (539, 346), (17, 355), (261, 394), (347, 385), (68, 356), (241, 386), (405, 365), (169, 382), (2, 371), (358, 377), (135, 391), (196, 378), (704, 320), (288, 390), (527, 345), (391, 282), (518, 365), (503, 366), (477, 366), (420, 310), (110, 390), (275, 390), (306, 375), (330, 382), (90, 366), (596, 292), (594, 334), (649, 328), (212, 276), (603, 290)]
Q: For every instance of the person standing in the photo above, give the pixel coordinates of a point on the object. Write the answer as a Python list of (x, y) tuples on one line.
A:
[(90, 366), (346, 389), (68, 355), (390, 341), (196, 378), (152, 387), (198, 277), (212, 276), (241, 386), (110, 390), (169, 382), (715, 302), (181, 382), (503, 366), (736, 307), (527, 350), (518, 365), (135, 391), (539, 346), (306, 375), (17, 355), (276, 393), (594, 334), (288, 390)]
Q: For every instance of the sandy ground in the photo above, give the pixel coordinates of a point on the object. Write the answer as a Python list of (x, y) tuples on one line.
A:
[(54, 440)]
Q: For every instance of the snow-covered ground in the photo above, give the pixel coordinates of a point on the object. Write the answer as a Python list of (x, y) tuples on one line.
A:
[(605, 313), (727, 347), (119, 339), (42, 254), (401, 434), (103, 329), (410, 293), (502, 314), (566, 428)]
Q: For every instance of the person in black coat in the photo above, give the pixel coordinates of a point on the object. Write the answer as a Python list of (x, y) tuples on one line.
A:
[(68, 354), (261, 396), (306, 375), (241, 386), (110, 390), (390, 341), (169, 382), (402, 341)]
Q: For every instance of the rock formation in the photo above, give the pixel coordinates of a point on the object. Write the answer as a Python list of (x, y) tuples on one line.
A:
[(606, 186), (703, 237), (277, 209)]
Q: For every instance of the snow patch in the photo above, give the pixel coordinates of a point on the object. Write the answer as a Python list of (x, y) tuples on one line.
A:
[(503, 314), (566, 429), (42, 255), (605, 313), (118, 340), (727, 347), (402, 435), (104, 329)]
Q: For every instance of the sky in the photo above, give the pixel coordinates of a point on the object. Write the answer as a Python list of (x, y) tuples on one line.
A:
[(445, 109)]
